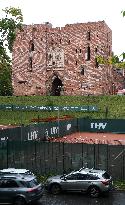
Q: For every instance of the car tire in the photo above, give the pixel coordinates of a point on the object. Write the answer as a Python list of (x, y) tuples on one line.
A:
[(55, 189), (94, 191), (19, 201)]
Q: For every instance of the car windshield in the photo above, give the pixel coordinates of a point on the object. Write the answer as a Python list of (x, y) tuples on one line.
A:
[(66, 174)]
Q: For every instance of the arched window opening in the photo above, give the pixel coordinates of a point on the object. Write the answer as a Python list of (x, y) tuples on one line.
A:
[(30, 63), (56, 87), (88, 35), (96, 63), (96, 50), (82, 71), (87, 54), (31, 46)]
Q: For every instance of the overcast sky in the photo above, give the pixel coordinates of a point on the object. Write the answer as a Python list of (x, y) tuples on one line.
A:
[(61, 12)]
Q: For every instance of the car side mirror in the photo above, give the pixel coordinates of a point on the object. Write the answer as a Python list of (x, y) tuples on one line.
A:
[(65, 178)]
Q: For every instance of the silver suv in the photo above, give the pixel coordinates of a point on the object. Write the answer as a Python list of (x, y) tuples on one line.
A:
[(84, 180), (19, 190)]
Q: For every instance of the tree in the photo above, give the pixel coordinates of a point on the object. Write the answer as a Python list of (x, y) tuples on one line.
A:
[(8, 25), (5, 79), (13, 20), (113, 60)]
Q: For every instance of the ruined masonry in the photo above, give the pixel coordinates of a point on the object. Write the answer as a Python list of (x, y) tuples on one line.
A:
[(63, 61)]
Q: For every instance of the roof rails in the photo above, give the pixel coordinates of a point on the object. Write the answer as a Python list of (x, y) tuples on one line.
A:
[(8, 176), (12, 176), (85, 168), (81, 169)]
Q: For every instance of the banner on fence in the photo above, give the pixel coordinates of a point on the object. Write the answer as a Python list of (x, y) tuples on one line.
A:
[(91, 108), (101, 125), (40, 131)]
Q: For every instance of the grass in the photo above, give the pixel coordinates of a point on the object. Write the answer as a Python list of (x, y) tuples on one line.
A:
[(115, 104), (119, 185)]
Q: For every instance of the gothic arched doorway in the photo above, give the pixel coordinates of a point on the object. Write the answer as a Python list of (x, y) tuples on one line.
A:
[(56, 87)]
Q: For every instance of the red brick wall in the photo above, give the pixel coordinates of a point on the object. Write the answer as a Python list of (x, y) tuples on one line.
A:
[(41, 53)]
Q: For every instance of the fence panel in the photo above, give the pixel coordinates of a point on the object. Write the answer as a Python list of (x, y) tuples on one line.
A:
[(101, 156), (116, 161), (3, 154), (50, 157), (11, 134)]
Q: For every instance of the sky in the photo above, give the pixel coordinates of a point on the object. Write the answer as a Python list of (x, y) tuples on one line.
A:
[(62, 12)]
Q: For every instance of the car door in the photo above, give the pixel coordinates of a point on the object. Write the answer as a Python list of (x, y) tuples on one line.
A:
[(87, 180), (7, 190), (69, 182), (83, 182), (80, 182)]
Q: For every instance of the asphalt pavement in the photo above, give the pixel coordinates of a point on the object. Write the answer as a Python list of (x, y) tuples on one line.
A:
[(113, 198)]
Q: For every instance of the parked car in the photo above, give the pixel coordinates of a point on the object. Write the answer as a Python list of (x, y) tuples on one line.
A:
[(15, 171), (19, 190), (87, 180)]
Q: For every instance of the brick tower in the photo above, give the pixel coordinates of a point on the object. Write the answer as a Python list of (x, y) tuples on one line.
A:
[(62, 61)]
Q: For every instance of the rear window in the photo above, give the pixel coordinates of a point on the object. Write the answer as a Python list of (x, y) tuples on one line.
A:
[(93, 177), (29, 184), (106, 175), (32, 183)]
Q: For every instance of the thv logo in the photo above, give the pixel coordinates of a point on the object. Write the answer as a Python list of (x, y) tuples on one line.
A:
[(99, 125)]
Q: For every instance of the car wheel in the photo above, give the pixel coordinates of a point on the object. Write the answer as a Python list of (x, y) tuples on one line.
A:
[(94, 191), (55, 189), (20, 201)]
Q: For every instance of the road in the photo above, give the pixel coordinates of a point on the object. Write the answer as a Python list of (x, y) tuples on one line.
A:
[(114, 198)]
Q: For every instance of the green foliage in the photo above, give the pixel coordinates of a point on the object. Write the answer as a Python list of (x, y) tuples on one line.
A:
[(119, 185), (8, 25), (123, 13), (43, 178), (4, 58), (5, 79), (15, 12), (113, 60)]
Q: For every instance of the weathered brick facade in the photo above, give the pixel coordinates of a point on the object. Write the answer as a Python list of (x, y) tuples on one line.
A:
[(62, 61)]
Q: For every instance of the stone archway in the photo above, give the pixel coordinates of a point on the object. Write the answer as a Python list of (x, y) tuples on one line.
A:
[(56, 87)]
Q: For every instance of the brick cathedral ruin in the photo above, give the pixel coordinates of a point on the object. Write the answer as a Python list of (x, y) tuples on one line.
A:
[(63, 61)]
